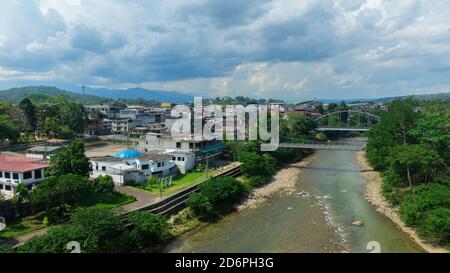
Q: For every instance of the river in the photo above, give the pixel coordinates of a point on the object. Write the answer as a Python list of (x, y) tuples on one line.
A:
[(316, 218)]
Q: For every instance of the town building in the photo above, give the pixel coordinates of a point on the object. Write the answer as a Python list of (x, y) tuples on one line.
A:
[(131, 165), (184, 160), (164, 141), (108, 110), (15, 170)]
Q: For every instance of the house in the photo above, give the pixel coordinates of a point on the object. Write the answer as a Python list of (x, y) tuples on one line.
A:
[(15, 170), (185, 161), (131, 165)]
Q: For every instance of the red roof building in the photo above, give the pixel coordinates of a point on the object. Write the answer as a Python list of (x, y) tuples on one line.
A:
[(15, 170)]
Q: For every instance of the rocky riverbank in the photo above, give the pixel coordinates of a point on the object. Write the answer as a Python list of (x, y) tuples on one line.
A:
[(374, 194), (283, 181)]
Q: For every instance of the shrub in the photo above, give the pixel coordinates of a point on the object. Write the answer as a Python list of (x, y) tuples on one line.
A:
[(148, 228), (436, 225), (200, 205), (423, 198), (215, 197), (104, 184), (54, 241), (256, 181)]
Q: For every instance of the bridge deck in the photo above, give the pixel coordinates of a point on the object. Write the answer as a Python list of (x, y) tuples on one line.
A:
[(323, 146), (342, 129)]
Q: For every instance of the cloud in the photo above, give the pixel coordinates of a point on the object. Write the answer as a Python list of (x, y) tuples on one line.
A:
[(279, 48)]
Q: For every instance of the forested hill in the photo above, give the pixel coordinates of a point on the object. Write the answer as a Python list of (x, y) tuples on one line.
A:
[(15, 95), (439, 96)]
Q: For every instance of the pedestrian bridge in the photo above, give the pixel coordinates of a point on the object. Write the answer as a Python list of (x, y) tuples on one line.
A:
[(347, 120), (323, 146)]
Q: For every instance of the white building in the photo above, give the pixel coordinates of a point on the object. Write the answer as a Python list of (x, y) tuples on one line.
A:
[(131, 165), (185, 160), (15, 170)]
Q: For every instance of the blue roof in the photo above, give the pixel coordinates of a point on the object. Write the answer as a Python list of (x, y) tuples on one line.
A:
[(128, 154), (213, 148)]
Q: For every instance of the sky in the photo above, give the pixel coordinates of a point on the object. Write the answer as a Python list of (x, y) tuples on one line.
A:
[(286, 49)]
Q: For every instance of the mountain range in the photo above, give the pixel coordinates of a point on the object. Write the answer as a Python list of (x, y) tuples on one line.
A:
[(95, 95), (103, 95)]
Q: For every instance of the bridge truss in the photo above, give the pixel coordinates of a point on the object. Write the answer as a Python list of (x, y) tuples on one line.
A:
[(347, 120)]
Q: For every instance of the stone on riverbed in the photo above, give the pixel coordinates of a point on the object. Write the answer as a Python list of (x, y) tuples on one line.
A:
[(358, 223)]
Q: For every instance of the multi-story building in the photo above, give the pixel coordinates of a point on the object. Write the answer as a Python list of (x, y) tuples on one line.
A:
[(107, 110), (164, 141), (123, 125), (15, 170)]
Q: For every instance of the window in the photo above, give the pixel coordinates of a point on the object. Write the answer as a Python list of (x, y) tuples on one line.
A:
[(37, 174), (15, 176), (7, 175), (159, 164), (182, 159), (178, 145), (104, 168), (191, 145), (7, 187), (96, 167), (173, 158), (27, 175), (1, 174), (145, 167), (1, 186), (179, 159)]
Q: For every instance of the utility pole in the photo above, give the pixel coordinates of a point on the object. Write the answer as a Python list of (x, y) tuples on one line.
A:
[(84, 98)]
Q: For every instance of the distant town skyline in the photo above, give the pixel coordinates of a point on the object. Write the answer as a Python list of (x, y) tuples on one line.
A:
[(284, 49)]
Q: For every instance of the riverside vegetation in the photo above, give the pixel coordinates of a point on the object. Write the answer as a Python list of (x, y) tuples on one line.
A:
[(411, 148)]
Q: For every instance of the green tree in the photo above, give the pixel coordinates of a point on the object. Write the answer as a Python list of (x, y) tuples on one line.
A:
[(73, 116), (436, 225), (60, 191), (104, 184), (392, 130), (103, 229), (216, 196), (432, 129), (8, 130), (418, 163), (54, 241), (148, 228), (71, 161), (254, 164), (29, 110)]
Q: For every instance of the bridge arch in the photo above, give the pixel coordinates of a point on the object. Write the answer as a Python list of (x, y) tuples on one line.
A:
[(347, 120)]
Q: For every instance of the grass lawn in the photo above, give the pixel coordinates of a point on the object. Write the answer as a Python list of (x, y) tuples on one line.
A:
[(34, 222), (180, 182), (107, 200), (25, 225)]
